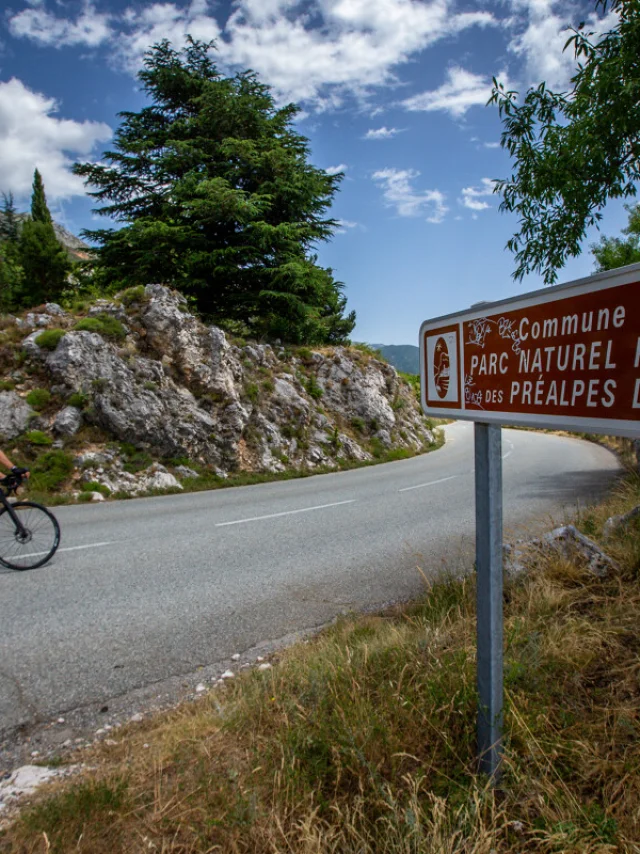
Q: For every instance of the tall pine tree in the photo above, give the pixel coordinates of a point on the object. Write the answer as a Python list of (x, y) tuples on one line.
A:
[(11, 272), (44, 260), (217, 198)]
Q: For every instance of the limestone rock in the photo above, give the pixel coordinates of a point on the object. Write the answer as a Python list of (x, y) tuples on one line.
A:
[(200, 356), (185, 472), (156, 477), (566, 540), (55, 310), (569, 540), (15, 414), (175, 387), (67, 422), (167, 417), (614, 523)]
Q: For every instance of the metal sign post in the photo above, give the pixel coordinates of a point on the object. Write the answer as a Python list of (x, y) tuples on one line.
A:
[(488, 454), (566, 357)]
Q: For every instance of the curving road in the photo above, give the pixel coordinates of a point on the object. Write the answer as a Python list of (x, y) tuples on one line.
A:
[(144, 590)]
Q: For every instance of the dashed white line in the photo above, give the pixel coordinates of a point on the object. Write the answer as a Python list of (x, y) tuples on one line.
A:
[(508, 454), (284, 513), (68, 549), (431, 483)]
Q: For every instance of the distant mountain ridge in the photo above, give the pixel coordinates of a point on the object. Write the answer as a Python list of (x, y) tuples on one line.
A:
[(403, 357), (77, 249)]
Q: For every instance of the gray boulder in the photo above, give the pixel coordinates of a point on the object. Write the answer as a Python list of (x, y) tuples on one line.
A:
[(15, 414), (67, 422)]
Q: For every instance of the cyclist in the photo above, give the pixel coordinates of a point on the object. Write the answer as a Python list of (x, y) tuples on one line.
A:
[(6, 462)]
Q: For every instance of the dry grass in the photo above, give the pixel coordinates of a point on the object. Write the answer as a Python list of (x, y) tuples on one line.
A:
[(362, 741)]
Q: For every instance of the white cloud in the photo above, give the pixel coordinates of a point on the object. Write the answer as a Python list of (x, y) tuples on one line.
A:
[(348, 44), (399, 194), (90, 28), (31, 136), (301, 49), (491, 145), (381, 133), (540, 42), (334, 170), (344, 225), (472, 197), (143, 27), (461, 91)]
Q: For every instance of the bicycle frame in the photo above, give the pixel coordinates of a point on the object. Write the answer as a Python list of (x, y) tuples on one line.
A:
[(4, 499)]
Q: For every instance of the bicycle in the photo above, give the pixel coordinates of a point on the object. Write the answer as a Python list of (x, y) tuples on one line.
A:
[(29, 533)]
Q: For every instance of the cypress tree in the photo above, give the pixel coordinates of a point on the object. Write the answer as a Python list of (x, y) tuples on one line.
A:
[(39, 209), (44, 260)]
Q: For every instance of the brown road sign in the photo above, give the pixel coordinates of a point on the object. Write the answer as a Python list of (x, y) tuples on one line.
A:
[(566, 357)]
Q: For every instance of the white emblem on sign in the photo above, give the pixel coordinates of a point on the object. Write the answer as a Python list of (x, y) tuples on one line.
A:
[(442, 368)]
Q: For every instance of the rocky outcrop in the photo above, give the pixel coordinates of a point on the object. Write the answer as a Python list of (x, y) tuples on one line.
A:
[(174, 387), (15, 414)]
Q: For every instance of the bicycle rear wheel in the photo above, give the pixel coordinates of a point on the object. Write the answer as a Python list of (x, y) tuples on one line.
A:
[(36, 544)]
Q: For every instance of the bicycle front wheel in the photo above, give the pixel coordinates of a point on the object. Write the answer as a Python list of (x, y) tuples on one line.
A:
[(35, 544)]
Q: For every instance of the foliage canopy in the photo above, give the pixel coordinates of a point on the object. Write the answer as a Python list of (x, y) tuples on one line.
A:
[(216, 197), (573, 151), (612, 252)]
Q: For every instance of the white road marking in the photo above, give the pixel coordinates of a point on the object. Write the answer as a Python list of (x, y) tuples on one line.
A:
[(508, 454), (285, 513), (431, 483), (68, 549)]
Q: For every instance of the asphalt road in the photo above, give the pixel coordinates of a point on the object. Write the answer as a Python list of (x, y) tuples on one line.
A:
[(147, 589)]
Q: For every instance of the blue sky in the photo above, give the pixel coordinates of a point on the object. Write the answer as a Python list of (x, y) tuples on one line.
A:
[(393, 93)]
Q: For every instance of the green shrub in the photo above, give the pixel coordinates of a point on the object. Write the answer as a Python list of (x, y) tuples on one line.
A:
[(135, 460), (313, 389), (78, 399), (84, 497), (399, 454), (358, 424), (368, 350), (50, 470), (304, 354), (413, 380), (269, 386), (49, 339), (37, 437), (377, 448), (336, 442), (131, 295), (100, 384), (38, 398), (7, 385), (94, 486), (103, 324), (252, 392)]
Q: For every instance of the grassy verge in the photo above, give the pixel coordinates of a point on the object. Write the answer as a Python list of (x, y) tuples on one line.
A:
[(362, 740)]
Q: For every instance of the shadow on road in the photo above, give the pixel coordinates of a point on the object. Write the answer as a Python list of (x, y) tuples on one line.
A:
[(573, 485)]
